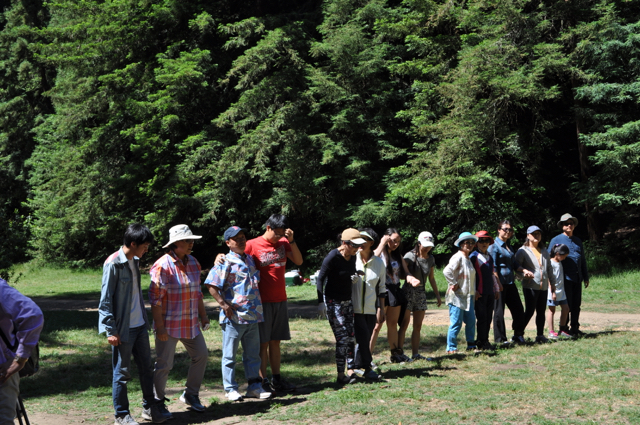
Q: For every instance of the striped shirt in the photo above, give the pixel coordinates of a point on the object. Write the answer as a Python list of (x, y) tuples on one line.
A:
[(175, 287)]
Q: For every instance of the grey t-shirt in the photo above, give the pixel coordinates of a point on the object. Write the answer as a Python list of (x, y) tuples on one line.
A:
[(422, 269)]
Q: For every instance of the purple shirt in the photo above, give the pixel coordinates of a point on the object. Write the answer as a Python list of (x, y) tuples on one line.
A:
[(21, 321)]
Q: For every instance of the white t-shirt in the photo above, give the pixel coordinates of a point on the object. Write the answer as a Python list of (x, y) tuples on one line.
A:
[(136, 319)]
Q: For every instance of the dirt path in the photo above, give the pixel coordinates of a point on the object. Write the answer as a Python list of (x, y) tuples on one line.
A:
[(590, 321), (242, 413)]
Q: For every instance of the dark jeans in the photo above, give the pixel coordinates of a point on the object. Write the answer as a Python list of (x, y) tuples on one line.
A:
[(574, 299), (138, 346), (484, 313), (363, 325), (535, 301), (511, 298)]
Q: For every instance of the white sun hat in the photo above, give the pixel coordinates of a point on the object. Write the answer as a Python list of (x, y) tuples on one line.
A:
[(179, 233)]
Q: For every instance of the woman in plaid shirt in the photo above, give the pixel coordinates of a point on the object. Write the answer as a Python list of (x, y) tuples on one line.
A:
[(176, 302)]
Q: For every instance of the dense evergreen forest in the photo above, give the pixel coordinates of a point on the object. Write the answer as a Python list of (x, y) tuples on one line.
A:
[(439, 115)]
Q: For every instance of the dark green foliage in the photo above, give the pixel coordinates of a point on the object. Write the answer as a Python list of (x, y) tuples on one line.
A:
[(422, 114)]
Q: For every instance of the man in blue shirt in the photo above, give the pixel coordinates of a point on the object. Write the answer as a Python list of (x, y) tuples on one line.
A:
[(575, 269), (234, 285), (123, 317)]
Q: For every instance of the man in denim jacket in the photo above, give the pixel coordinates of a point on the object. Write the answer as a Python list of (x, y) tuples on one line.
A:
[(124, 319)]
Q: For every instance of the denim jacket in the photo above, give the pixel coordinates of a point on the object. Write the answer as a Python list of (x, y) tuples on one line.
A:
[(115, 297), (504, 261)]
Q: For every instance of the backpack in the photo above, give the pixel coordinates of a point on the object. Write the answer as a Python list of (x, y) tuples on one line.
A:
[(33, 362)]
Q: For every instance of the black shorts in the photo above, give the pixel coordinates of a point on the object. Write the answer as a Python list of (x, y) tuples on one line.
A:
[(395, 296)]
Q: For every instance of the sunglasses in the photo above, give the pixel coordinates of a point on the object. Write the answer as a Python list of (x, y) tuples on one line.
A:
[(353, 245), (569, 223), (507, 230), (468, 242), (484, 240)]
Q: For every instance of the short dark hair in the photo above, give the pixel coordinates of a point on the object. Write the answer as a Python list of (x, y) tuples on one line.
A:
[(137, 233), (277, 221)]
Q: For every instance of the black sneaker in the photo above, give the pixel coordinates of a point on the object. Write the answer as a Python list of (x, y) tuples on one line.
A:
[(346, 380), (154, 414), (282, 385), (193, 401), (266, 385)]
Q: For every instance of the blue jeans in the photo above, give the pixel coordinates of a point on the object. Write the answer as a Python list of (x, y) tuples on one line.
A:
[(232, 335), (138, 345), (456, 317)]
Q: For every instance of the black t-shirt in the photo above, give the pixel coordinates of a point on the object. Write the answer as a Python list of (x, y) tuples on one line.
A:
[(335, 277)]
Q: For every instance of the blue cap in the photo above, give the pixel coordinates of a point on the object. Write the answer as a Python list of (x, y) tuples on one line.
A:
[(464, 236), (232, 232), (532, 229)]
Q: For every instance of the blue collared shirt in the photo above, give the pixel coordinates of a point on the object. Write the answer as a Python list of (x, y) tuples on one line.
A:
[(115, 297), (238, 279), (504, 260), (575, 265)]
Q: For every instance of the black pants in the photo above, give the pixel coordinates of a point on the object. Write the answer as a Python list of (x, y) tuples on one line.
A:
[(484, 313), (511, 298), (363, 325), (535, 301), (574, 299)]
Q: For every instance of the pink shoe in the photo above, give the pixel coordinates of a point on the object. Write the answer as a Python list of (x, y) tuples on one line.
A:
[(553, 335)]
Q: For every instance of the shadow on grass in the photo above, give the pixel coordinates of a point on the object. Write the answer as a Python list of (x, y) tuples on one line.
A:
[(232, 410)]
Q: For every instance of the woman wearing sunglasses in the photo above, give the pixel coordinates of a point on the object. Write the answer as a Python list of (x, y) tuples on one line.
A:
[(504, 263), (335, 281)]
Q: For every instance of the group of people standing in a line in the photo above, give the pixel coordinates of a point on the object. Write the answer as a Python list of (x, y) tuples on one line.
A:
[(249, 285), (359, 289)]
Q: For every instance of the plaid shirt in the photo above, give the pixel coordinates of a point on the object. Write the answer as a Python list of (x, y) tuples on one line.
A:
[(176, 288)]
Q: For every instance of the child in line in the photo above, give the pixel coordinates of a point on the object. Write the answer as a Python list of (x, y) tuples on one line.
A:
[(558, 253), (461, 294)]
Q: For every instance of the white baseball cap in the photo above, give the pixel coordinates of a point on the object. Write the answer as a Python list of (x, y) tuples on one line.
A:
[(426, 239)]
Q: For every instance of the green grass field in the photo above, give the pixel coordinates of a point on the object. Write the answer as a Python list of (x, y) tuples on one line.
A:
[(586, 381)]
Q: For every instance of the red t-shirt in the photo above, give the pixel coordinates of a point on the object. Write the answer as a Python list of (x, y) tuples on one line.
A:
[(271, 260)]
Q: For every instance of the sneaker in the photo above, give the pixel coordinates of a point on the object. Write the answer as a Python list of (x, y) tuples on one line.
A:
[(565, 334), (518, 340), (359, 372), (193, 401), (370, 375), (405, 358), (346, 380), (125, 420), (419, 356), (375, 367), (473, 348), (577, 333), (487, 346), (266, 385), (258, 393), (553, 335), (154, 414), (452, 351), (282, 385), (233, 395), (541, 339), (163, 409), (395, 358)]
